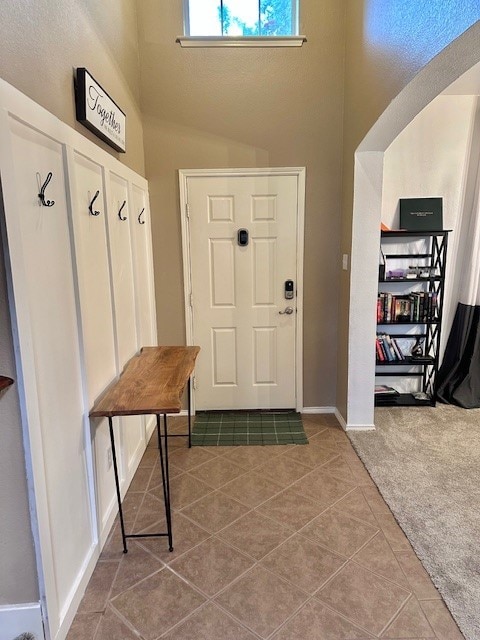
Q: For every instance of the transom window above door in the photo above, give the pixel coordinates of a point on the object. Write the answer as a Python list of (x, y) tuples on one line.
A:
[(241, 23)]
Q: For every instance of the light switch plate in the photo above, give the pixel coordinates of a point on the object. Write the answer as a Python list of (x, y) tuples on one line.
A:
[(345, 262)]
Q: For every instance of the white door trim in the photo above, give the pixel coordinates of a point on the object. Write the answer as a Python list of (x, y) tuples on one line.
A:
[(300, 174)]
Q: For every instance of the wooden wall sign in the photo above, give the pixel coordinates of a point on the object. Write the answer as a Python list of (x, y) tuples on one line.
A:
[(98, 112)]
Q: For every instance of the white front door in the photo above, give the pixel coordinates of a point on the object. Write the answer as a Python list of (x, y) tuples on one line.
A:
[(242, 234)]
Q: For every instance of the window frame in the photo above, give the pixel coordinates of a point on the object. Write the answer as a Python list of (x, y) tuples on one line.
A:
[(292, 40)]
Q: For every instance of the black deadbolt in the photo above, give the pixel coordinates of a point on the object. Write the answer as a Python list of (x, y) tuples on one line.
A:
[(242, 237), (289, 289)]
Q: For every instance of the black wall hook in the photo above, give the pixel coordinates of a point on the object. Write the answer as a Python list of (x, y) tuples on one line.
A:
[(140, 215), (122, 218), (90, 206), (41, 195)]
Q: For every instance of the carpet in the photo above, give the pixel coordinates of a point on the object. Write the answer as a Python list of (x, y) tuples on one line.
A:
[(425, 462), (231, 428)]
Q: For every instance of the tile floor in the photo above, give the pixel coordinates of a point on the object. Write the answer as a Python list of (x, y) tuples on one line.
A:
[(278, 542)]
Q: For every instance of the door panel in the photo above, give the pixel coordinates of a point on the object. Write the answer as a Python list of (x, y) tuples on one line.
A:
[(264, 270), (248, 353), (224, 352), (222, 273), (265, 363)]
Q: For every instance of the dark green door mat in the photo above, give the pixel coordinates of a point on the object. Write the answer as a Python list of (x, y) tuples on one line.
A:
[(231, 428)]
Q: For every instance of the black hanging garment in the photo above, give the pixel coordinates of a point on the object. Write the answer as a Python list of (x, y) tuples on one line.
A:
[(459, 375)]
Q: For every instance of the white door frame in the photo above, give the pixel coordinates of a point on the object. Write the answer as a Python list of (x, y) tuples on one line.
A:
[(299, 173)]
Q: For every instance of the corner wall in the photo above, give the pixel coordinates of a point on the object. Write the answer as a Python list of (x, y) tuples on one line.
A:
[(43, 41)]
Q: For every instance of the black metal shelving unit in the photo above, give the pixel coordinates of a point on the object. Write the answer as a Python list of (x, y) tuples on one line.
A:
[(426, 367)]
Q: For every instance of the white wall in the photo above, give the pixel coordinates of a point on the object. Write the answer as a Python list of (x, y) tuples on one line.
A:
[(431, 158)]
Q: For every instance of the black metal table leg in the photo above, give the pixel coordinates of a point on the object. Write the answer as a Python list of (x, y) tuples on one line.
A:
[(165, 483), (117, 484), (189, 400), (167, 474)]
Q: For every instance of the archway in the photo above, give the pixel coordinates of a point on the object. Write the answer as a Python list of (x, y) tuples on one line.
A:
[(454, 61)]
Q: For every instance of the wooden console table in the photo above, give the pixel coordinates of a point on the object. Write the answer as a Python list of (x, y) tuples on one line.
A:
[(152, 382)]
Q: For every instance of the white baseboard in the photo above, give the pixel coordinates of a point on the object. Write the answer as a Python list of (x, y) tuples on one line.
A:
[(16, 619), (360, 427), (352, 427), (318, 410), (339, 417), (76, 592), (149, 427), (345, 426)]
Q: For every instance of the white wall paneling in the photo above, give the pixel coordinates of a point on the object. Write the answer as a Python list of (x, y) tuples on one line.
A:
[(96, 308), (93, 271), (143, 264), (141, 233), (81, 306), (47, 334), (125, 325)]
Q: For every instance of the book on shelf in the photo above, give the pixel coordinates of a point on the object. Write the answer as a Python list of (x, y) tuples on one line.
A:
[(385, 390), (383, 352), (424, 306), (397, 350), (406, 349), (421, 214), (379, 309), (388, 342), (380, 353), (401, 309), (387, 349), (418, 306)]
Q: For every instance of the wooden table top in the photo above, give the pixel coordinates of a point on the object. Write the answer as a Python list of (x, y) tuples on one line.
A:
[(152, 382)]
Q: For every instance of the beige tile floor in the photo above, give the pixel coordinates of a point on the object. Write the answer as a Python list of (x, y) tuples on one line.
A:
[(277, 542)]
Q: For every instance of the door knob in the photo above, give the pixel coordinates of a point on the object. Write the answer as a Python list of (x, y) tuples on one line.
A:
[(288, 311)]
